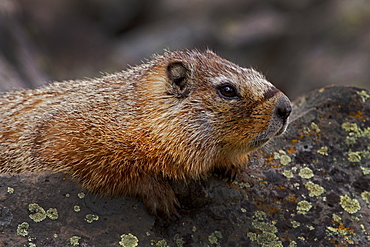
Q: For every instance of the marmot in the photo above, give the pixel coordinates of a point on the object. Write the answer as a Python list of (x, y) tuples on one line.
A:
[(181, 115)]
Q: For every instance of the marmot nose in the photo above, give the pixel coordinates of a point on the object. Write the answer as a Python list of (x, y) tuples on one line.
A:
[(283, 107)]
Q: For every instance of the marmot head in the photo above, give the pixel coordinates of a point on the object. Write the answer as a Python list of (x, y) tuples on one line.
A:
[(222, 106)]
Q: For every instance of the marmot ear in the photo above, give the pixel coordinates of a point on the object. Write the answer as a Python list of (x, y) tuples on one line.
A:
[(179, 76)]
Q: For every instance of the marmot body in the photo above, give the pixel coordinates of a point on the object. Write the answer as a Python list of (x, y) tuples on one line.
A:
[(179, 116)]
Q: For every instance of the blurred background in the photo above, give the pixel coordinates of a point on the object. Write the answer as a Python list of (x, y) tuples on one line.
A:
[(299, 45)]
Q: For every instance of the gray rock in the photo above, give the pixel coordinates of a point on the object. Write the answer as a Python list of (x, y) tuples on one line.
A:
[(310, 187)]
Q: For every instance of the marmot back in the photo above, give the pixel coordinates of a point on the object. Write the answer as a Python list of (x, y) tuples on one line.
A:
[(182, 115)]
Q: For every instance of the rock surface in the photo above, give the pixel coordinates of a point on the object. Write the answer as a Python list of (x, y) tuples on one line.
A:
[(310, 187)]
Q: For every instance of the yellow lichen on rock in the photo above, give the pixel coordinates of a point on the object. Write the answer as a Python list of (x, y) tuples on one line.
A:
[(315, 189), (303, 207), (128, 240), (37, 212), (350, 205), (306, 173)]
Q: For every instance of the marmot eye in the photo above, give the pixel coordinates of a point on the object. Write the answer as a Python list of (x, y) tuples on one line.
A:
[(227, 91)]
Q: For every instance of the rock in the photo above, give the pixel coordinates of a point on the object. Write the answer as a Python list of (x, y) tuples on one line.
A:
[(310, 187)]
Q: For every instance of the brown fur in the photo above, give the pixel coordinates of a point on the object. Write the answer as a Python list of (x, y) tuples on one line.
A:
[(128, 133)]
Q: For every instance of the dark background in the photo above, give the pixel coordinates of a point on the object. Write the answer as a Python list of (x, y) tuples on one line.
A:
[(299, 45)]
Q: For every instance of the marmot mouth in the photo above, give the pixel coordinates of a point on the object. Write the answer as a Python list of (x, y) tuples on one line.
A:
[(260, 141), (282, 129)]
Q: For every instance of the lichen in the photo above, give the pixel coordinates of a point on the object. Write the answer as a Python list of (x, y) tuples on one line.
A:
[(364, 96), (263, 226), (315, 127), (354, 156), (22, 229), (38, 214), (306, 130), (266, 235), (74, 241), (288, 174), (341, 231), (81, 195), (293, 244), (323, 151), (366, 196), (242, 185), (179, 240), (89, 218), (355, 132), (278, 154), (350, 127), (355, 218), (351, 139), (161, 243), (306, 173), (303, 207), (214, 237), (366, 134), (260, 215), (76, 208), (285, 159), (128, 240), (336, 218), (315, 189), (265, 239), (365, 170), (350, 205), (295, 224), (365, 155), (10, 190), (52, 213)]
